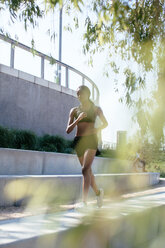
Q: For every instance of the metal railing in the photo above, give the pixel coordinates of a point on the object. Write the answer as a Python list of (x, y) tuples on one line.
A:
[(109, 145), (14, 43)]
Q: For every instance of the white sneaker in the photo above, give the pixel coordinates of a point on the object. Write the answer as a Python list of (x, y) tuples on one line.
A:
[(81, 205), (100, 198)]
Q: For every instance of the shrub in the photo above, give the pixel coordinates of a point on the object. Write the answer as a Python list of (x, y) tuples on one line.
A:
[(69, 150), (19, 139), (157, 167), (5, 137), (107, 153), (23, 139), (52, 143)]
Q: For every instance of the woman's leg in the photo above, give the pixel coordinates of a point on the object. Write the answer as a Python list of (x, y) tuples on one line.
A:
[(93, 182), (88, 179)]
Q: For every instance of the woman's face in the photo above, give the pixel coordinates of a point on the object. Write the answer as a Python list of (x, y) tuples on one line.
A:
[(82, 96)]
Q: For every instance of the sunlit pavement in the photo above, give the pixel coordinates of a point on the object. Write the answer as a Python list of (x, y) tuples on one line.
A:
[(29, 227)]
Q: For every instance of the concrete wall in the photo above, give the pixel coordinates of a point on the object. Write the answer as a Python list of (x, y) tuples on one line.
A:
[(18, 190), (28, 102), (32, 170), (22, 162)]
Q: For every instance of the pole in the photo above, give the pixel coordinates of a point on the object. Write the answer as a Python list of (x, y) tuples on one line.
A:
[(60, 45)]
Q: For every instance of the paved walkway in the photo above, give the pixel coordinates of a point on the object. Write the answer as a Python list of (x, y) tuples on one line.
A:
[(158, 188), (28, 227)]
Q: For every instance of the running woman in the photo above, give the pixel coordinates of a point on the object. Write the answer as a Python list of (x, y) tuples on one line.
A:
[(86, 142)]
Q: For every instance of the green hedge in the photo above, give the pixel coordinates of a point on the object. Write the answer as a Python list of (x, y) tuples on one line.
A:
[(108, 153), (55, 143), (28, 140)]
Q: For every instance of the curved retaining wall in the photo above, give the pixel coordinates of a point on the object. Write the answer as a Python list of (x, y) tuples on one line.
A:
[(56, 189), (29, 102), (25, 162)]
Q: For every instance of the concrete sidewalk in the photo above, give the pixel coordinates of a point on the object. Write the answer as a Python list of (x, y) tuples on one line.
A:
[(25, 231)]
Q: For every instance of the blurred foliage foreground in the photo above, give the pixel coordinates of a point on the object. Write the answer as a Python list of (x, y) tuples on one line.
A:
[(114, 227), (103, 229)]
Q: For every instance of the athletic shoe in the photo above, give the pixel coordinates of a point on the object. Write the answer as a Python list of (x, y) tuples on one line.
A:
[(81, 205), (100, 198)]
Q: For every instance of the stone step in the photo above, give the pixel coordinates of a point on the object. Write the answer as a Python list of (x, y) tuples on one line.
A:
[(52, 189), (134, 222)]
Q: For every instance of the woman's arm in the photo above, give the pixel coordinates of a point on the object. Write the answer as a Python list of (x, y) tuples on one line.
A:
[(71, 122), (104, 123)]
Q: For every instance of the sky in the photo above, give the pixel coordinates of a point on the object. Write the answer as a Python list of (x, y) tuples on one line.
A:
[(117, 114)]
